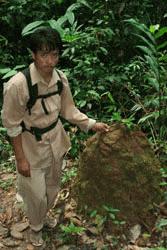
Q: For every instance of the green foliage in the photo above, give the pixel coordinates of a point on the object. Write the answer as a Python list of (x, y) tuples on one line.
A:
[(109, 214), (117, 72), (151, 101), (7, 164), (164, 181), (77, 141), (161, 224), (6, 184), (68, 174), (70, 231), (158, 248)]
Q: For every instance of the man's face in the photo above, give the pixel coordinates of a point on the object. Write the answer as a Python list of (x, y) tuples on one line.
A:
[(45, 61)]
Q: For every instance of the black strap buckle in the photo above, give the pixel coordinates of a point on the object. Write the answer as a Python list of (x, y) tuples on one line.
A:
[(36, 132)]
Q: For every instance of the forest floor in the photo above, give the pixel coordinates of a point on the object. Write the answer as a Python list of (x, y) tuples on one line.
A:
[(75, 230)]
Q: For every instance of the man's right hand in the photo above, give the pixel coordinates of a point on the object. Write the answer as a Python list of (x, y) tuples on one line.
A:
[(23, 167)]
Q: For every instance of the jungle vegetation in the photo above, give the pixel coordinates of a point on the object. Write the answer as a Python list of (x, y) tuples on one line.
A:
[(114, 55)]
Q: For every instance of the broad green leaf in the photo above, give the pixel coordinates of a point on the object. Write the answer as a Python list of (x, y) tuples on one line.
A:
[(136, 107), (60, 21), (149, 44), (94, 94), (145, 50), (161, 223), (161, 32), (72, 229), (116, 116), (85, 3), (66, 52), (2, 130), (162, 45), (111, 209), (4, 70), (78, 5), (52, 23), (153, 115), (31, 27), (81, 103), (9, 74), (4, 40), (73, 7), (111, 98), (19, 66), (164, 183), (71, 38), (153, 64), (142, 27), (112, 216), (70, 16), (105, 52), (163, 58), (93, 213), (55, 25), (153, 82)]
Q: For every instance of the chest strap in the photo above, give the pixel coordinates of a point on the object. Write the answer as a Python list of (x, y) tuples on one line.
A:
[(38, 132), (43, 97)]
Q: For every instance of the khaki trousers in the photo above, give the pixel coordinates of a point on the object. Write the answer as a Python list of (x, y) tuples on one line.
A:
[(39, 191)]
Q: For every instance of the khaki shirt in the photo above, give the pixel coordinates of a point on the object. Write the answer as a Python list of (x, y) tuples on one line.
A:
[(54, 142)]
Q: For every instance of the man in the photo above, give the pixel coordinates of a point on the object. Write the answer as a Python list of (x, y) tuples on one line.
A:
[(36, 132)]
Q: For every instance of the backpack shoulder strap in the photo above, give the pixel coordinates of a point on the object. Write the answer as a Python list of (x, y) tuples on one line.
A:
[(59, 83), (32, 89)]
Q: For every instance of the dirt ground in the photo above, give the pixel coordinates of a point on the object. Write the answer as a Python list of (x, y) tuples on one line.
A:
[(84, 232)]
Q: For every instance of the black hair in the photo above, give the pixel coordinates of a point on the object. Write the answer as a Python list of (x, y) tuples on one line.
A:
[(44, 38)]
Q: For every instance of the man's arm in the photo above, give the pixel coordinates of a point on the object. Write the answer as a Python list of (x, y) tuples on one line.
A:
[(14, 106), (71, 113), (23, 165)]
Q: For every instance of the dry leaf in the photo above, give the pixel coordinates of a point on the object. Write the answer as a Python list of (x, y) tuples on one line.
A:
[(132, 247), (9, 213), (30, 247), (10, 243), (99, 245), (76, 221), (87, 240), (134, 233), (69, 214), (93, 230), (3, 231), (64, 194), (21, 226), (17, 235)]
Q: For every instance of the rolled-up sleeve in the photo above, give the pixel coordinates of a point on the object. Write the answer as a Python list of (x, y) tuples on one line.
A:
[(70, 112), (14, 105)]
